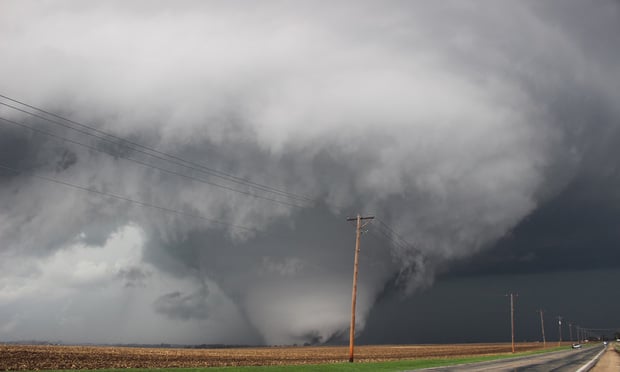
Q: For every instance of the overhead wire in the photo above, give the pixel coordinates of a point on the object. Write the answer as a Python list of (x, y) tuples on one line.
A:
[(399, 237), (68, 140), (147, 150), (384, 235), (127, 199), (154, 153), (393, 237)]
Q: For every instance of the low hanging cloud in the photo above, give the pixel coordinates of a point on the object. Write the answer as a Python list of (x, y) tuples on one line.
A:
[(179, 305), (447, 121), (133, 276)]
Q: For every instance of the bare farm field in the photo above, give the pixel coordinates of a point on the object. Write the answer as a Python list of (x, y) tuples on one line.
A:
[(24, 357)]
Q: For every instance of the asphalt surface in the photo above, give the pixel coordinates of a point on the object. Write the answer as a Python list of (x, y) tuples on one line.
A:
[(560, 361)]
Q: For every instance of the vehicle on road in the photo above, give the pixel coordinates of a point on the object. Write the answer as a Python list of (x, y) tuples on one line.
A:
[(576, 346)]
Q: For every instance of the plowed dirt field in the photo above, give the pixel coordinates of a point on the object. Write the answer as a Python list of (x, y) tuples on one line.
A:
[(21, 357)]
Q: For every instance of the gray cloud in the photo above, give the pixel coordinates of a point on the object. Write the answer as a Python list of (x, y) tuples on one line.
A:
[(476, 309), (133, 276), (177, 305), (450, 122)]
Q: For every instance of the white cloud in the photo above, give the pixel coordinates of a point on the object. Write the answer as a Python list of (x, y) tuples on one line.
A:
[(78, 296)]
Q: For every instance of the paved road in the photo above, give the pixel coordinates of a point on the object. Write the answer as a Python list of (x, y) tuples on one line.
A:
[(609, 362), (569, 360)]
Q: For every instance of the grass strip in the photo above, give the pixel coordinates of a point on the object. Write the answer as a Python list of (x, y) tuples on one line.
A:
[(390, 366)]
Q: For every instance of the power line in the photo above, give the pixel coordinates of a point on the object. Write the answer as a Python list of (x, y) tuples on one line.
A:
[(393, 237), (158, 154), (399, 238), (124, 198), (604, 329), (393, 232), (389, 238), (412, 255), (64, 139)]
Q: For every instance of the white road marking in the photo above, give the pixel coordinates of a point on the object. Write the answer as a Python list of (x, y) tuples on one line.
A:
[(590, 363)]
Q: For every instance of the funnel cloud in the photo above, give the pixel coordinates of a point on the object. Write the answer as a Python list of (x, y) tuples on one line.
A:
[(454, 124)]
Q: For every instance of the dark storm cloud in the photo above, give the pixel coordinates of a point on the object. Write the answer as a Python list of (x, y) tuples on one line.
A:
[(133, 276), (576, 230), (24, 150), (177, 305), (295, 268), (476, 309), (14, 147), (450, 122)]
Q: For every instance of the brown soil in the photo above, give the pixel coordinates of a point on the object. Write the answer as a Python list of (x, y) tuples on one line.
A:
[(23, 357), (609, 362)]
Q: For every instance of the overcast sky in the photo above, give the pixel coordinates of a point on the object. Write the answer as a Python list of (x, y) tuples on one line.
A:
[(485, 134)]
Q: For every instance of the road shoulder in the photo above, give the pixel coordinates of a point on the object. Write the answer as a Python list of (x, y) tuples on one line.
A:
[(609, 361)]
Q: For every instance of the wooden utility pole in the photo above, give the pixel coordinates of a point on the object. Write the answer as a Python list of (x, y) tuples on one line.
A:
[(542, 327), (358, 231), (570, 331), (560, 330), (512, 320)]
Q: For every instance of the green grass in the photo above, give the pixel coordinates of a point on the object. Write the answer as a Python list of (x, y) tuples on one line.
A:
[(392, 366)]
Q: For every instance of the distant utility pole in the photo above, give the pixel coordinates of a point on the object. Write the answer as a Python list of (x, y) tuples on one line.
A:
[(570, 332), (358, 231), (512, 320), (578, 333), (542, 327), (560, 330)]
